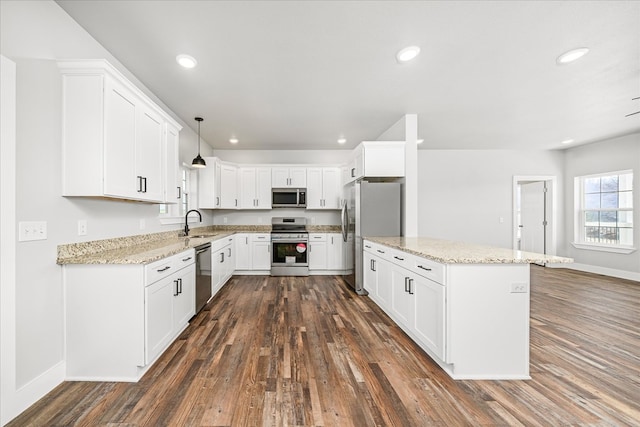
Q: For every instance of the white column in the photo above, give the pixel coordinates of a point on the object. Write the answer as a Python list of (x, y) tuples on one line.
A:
[(411, 176)]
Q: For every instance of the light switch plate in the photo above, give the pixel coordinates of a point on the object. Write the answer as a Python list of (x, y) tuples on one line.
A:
[(32, 230), (82, 227)]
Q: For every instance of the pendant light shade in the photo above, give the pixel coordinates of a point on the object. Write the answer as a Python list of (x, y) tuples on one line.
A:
[(198, 162)]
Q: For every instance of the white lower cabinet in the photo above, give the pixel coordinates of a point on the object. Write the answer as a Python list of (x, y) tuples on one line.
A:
[(415, 302), (261, 251), (465, 316), (327, 252), (121, 317), (223, 263), (176, 295), (317, 251), (253, 252)]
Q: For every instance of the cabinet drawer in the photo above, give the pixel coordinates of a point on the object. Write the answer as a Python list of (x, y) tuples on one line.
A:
[(159, 269), (317, 237), (260, 237), (164, 267), (427, 268), (185, 258)]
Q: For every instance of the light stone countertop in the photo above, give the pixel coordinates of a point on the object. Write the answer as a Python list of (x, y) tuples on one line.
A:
[(452, 252), (145, 248)]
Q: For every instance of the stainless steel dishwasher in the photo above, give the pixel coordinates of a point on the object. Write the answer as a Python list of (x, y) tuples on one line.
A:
[(203, 275)]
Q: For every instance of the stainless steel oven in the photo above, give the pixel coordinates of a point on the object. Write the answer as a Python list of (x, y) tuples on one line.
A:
[(289, 247)]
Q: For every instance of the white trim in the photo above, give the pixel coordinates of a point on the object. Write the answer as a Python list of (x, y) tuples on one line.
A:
[(8, 407), (604, 248), (553, 222), (605, 271)]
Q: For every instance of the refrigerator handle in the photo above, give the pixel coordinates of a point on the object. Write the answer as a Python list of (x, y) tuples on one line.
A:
[(345, 221)]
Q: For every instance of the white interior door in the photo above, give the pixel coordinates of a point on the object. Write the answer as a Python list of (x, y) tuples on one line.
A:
[(532, 217)]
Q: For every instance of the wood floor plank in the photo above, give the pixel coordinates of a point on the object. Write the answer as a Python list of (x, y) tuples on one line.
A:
[(307, 351)]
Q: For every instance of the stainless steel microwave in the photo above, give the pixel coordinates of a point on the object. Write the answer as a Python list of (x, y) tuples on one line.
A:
[(289, 197)]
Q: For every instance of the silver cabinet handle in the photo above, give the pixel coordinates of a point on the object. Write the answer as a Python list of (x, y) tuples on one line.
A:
[(380, 251), (187, 259), (217, 200), (164, 269), (398, 258), (424, 268), (406, 283), (179, 192), (411, 286)]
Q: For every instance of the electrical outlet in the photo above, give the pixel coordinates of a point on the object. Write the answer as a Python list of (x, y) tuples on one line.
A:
[(313, 220), (224, 220), (259, 220), (143, 224), (519, 288), (32, 230), (82, 227)]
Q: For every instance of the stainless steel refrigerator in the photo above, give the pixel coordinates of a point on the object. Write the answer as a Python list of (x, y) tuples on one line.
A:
[(372, 209)]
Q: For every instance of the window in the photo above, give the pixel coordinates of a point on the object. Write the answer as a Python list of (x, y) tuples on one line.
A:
[(168, 212), (604, 206)]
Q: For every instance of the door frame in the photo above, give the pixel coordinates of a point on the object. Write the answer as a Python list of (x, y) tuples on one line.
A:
[(551, 209)]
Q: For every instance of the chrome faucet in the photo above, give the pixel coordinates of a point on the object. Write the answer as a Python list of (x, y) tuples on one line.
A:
[(186, 224)]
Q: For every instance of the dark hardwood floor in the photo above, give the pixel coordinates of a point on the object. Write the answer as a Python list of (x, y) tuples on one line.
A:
[(308, 351)]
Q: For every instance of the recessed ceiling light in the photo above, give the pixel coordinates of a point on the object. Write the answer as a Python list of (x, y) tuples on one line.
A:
[(233, 140), (567, 141), (407, 54), (571, 55), (342, 140), (187, 61), (420, 141)]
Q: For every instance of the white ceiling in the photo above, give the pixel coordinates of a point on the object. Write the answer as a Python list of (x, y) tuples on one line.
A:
[(300, 74)]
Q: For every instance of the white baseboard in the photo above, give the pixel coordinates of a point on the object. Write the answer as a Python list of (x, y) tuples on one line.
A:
[(612, 272), (33, 391)]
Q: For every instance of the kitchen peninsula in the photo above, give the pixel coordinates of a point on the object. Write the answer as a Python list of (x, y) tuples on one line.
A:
[(466, 305)]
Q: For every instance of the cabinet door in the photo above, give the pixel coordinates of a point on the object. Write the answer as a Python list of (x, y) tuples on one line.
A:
[(314, 188), (263, 188), (247, 188), (335, 252), (243, 251), (158, 321), (119, 143), (229, 262), (279, 177), (401, 299), (428, 306), (298, 177), (370, 275), (385, 280), (217, 270), (149, 154), (331, 189), (173, 182), (228, 187), (317, 255), (184, 303), (207, 194), (261, 255)]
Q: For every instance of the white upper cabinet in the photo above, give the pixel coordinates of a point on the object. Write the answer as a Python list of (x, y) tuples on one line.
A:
[(289, 177), (377, 159), (173, 180), (323, 188), (228, 186), (255, 187), (209, 184), (113, 135)]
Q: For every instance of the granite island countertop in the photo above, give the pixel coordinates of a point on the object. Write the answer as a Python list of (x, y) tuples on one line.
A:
[(145, 248), (453, 252)]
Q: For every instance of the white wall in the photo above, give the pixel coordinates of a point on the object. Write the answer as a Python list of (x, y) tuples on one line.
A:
[(34, 34), (607, 156), (464, 193)]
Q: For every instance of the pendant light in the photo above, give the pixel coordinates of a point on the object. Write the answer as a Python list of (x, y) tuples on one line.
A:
[(198, 162)]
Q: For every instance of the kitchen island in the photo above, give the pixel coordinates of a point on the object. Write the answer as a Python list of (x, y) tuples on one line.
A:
[(465, 305)]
